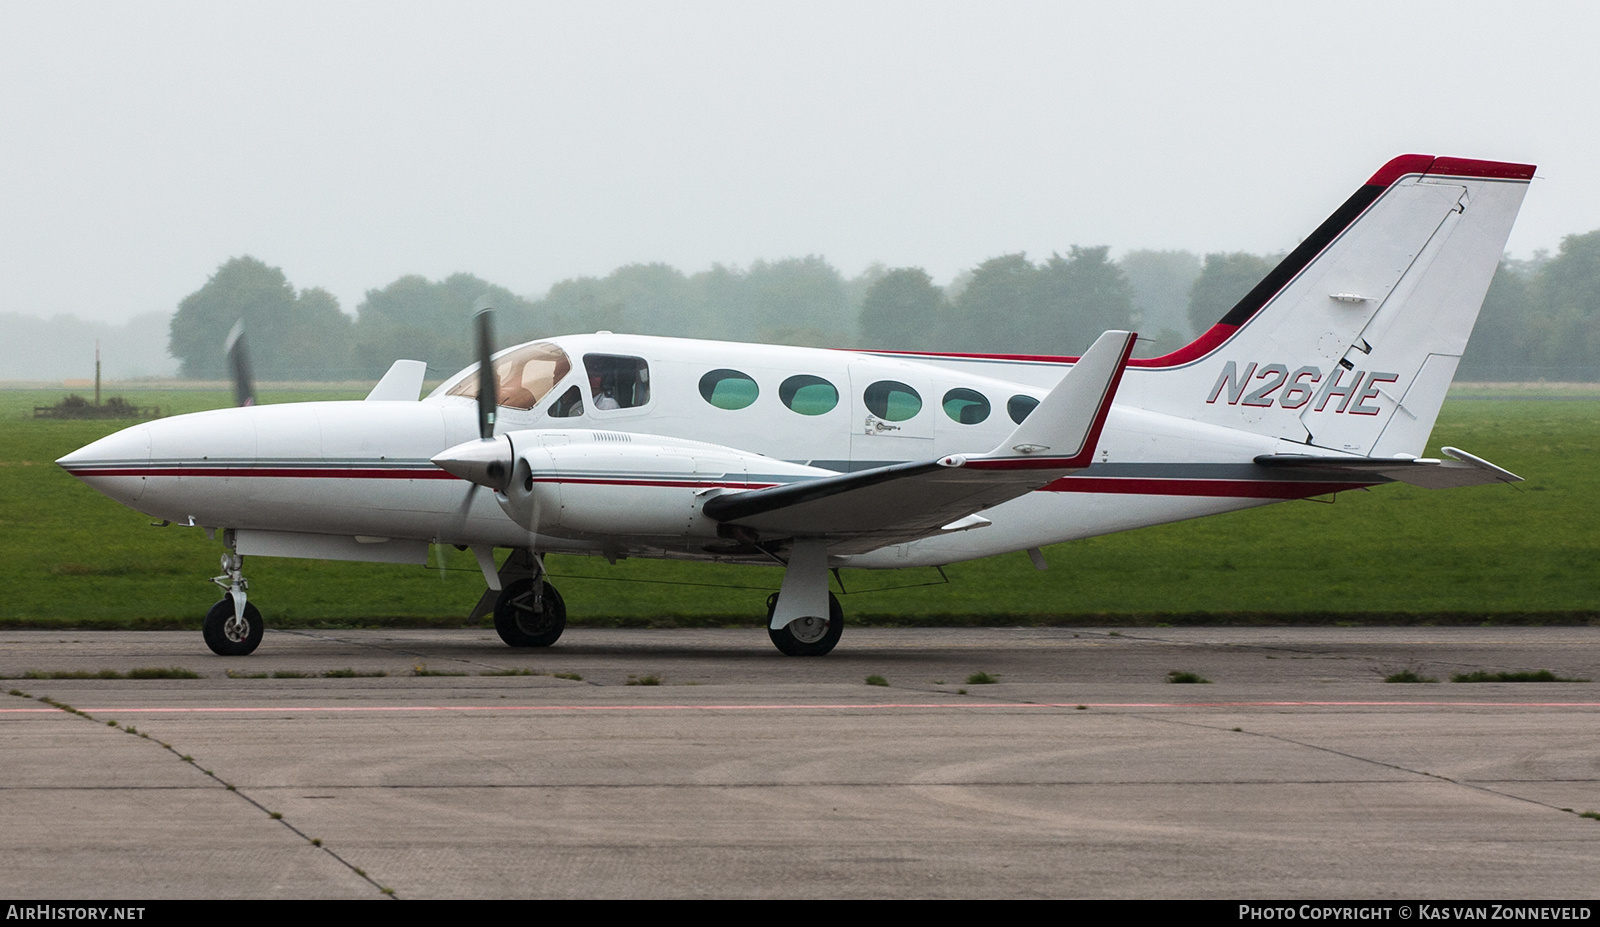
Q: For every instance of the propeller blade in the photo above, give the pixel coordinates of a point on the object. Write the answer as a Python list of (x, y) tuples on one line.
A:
[(488, 386), (244, 383)]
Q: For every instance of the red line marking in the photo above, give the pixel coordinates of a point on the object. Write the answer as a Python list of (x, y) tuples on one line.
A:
[(820, 706)]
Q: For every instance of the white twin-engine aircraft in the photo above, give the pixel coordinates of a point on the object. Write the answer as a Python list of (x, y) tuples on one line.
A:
[(1327, 376)]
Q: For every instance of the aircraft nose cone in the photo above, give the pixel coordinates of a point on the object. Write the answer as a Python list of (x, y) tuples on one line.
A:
[(487, 463), (115, 464)]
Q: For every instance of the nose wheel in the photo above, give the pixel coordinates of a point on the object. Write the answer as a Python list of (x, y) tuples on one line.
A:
[(233, 627), (231, 635)]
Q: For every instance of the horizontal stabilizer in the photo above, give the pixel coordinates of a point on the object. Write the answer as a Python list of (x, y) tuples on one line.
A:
[(902, 502), (1064, 429), (1426, 472)]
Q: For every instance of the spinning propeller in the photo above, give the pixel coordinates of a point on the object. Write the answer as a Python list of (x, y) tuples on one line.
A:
[(488, 387), (489, 461), (244, 384)]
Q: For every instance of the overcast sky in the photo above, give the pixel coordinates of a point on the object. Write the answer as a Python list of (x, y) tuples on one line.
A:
[(143, 144)]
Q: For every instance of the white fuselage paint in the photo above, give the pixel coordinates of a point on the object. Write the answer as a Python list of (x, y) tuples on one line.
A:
[(362, 470), (1347, 352)]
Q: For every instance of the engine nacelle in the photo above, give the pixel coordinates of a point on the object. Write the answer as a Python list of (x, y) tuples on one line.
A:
[(580, 484)]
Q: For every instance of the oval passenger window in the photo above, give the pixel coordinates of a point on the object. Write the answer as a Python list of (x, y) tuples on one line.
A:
[(729, 389), (966, 406), (892, 400), (1019, 407), (808, 395)]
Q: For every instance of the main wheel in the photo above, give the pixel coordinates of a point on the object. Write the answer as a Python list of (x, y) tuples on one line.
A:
[(807, 636), (520, 625), (223, 634)]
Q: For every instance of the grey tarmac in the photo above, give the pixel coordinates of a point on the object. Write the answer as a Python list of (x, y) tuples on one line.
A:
[(1297, 773)]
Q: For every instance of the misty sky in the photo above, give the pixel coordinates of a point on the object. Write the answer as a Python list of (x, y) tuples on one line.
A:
[(141, 145)]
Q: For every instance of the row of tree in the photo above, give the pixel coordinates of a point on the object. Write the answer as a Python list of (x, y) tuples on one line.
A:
[(1541, 319)]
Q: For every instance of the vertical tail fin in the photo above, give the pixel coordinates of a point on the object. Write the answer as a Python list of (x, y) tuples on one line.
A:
[(1351, 342)]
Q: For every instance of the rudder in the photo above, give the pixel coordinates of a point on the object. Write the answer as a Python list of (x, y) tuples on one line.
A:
[(1352, 340)]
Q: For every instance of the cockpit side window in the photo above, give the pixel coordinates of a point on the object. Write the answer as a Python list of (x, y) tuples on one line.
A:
[(524, 375), (616, 381), (570, 405)]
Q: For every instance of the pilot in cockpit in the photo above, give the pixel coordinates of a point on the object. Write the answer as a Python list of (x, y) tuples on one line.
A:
[(604, 396)]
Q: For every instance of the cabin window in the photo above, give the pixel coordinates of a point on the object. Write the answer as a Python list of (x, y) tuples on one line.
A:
[(1018, 407), (524, 375), (966, 406), (570, 405), (729, 389), (808, 395), (892, 400), (617, 382)]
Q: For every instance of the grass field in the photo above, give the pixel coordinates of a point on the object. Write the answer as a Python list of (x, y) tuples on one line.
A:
[(1399, 554)]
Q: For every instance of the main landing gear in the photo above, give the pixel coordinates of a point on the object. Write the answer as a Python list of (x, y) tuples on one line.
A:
[(233, 627), (809, 635), (795, 612), (529, 613)]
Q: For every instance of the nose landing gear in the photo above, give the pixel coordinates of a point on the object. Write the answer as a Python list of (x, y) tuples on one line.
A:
[(233, 627)]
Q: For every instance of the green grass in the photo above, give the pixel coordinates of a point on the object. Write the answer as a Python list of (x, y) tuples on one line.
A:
[(981, 678), (147, 672), (1184, 678), (422, 670), (1396, 555), (1408, 676), (876, 680), (1534, 676)]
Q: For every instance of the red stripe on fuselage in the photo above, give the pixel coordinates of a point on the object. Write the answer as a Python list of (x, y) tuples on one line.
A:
[(689, 484), (1209, 341), (1137, 486), (325, 473)]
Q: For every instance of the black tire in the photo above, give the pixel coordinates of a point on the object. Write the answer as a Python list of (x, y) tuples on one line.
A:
[(806, 642), (216, 629), (519, 625)]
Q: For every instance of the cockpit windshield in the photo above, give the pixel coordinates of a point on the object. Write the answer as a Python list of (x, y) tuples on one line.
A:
[(525, 375)]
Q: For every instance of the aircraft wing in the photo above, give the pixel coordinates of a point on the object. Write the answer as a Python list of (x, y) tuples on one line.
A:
[(1429, 473), (902, 502)]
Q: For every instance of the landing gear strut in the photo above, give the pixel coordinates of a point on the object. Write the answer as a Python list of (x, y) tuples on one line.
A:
[(233, 627)]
